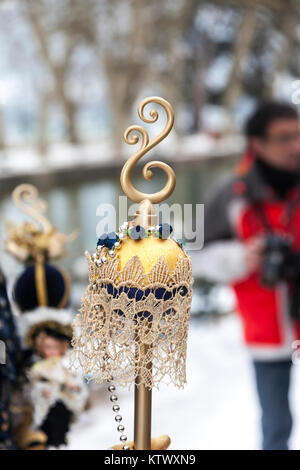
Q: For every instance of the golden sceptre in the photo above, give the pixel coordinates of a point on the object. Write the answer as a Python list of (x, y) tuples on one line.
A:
[(134, 318)]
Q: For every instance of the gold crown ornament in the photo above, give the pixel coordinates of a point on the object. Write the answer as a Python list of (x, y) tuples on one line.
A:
[(34, 239), (133, 322), (42, 291)]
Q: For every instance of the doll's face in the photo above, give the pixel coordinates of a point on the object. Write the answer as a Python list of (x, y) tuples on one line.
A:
[(51, 347)]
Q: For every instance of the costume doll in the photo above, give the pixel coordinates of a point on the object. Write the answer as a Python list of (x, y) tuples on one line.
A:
[(41, 296), (57, 394)]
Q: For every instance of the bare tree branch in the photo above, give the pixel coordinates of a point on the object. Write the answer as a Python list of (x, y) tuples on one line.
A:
[(240, 53), (58, 71)]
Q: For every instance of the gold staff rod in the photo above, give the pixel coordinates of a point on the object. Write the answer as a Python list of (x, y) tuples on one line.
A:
[(142, 413), (146, 217)]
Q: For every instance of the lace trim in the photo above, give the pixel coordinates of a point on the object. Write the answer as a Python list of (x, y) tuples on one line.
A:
[(133, 326)]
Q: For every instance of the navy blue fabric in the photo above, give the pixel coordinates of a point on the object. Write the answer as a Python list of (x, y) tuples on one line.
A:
[(8, 335), (140, 294), (25, 293), (9, 370), (57, 424), (273, 380)]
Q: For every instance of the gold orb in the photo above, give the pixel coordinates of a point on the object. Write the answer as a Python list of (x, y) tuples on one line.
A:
[(149, 250)]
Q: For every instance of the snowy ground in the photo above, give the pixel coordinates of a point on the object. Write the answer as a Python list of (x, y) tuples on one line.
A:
[(21, 161), (216, 410)]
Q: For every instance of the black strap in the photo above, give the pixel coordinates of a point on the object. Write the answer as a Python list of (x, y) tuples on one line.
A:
[(262, 215), (257, 205)]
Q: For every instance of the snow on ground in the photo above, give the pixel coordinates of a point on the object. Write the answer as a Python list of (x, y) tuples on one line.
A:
[(217, 409), (17, 161)]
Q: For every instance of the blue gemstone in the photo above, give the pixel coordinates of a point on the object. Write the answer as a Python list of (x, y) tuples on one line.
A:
[(137, 232), (101, 241), (112, 238), (165, 230), (108, 240)]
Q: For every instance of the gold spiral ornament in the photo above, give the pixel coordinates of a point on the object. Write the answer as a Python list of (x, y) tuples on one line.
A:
[(38, 238), (146, 145), (26, 198)]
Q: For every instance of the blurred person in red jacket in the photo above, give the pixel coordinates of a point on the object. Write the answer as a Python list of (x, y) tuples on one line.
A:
[(252, 241)]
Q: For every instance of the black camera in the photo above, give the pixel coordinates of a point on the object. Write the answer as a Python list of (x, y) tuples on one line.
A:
[(278, 259), (282, 262)]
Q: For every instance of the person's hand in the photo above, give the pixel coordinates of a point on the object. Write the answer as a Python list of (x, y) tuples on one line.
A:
[(254, 253)]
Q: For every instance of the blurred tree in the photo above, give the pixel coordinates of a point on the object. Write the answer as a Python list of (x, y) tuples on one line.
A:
[(139, 44), (240, 51), (2, 132), (104, 54), (43, 17), (266, 33)]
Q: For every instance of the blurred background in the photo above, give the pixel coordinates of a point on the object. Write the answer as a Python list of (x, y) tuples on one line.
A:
[(72, 73)]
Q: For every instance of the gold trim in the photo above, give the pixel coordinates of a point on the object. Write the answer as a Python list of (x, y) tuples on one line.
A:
[(40, 283), (66, 295)]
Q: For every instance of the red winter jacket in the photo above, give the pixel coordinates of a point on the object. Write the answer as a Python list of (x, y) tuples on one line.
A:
[(231, 217)]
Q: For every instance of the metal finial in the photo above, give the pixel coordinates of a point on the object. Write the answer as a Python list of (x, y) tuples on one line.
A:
[(25, 197), (34, 239), (146, 145)]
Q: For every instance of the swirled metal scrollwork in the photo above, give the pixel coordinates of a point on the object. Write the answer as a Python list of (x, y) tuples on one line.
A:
[(26, 198), (131, 138)]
